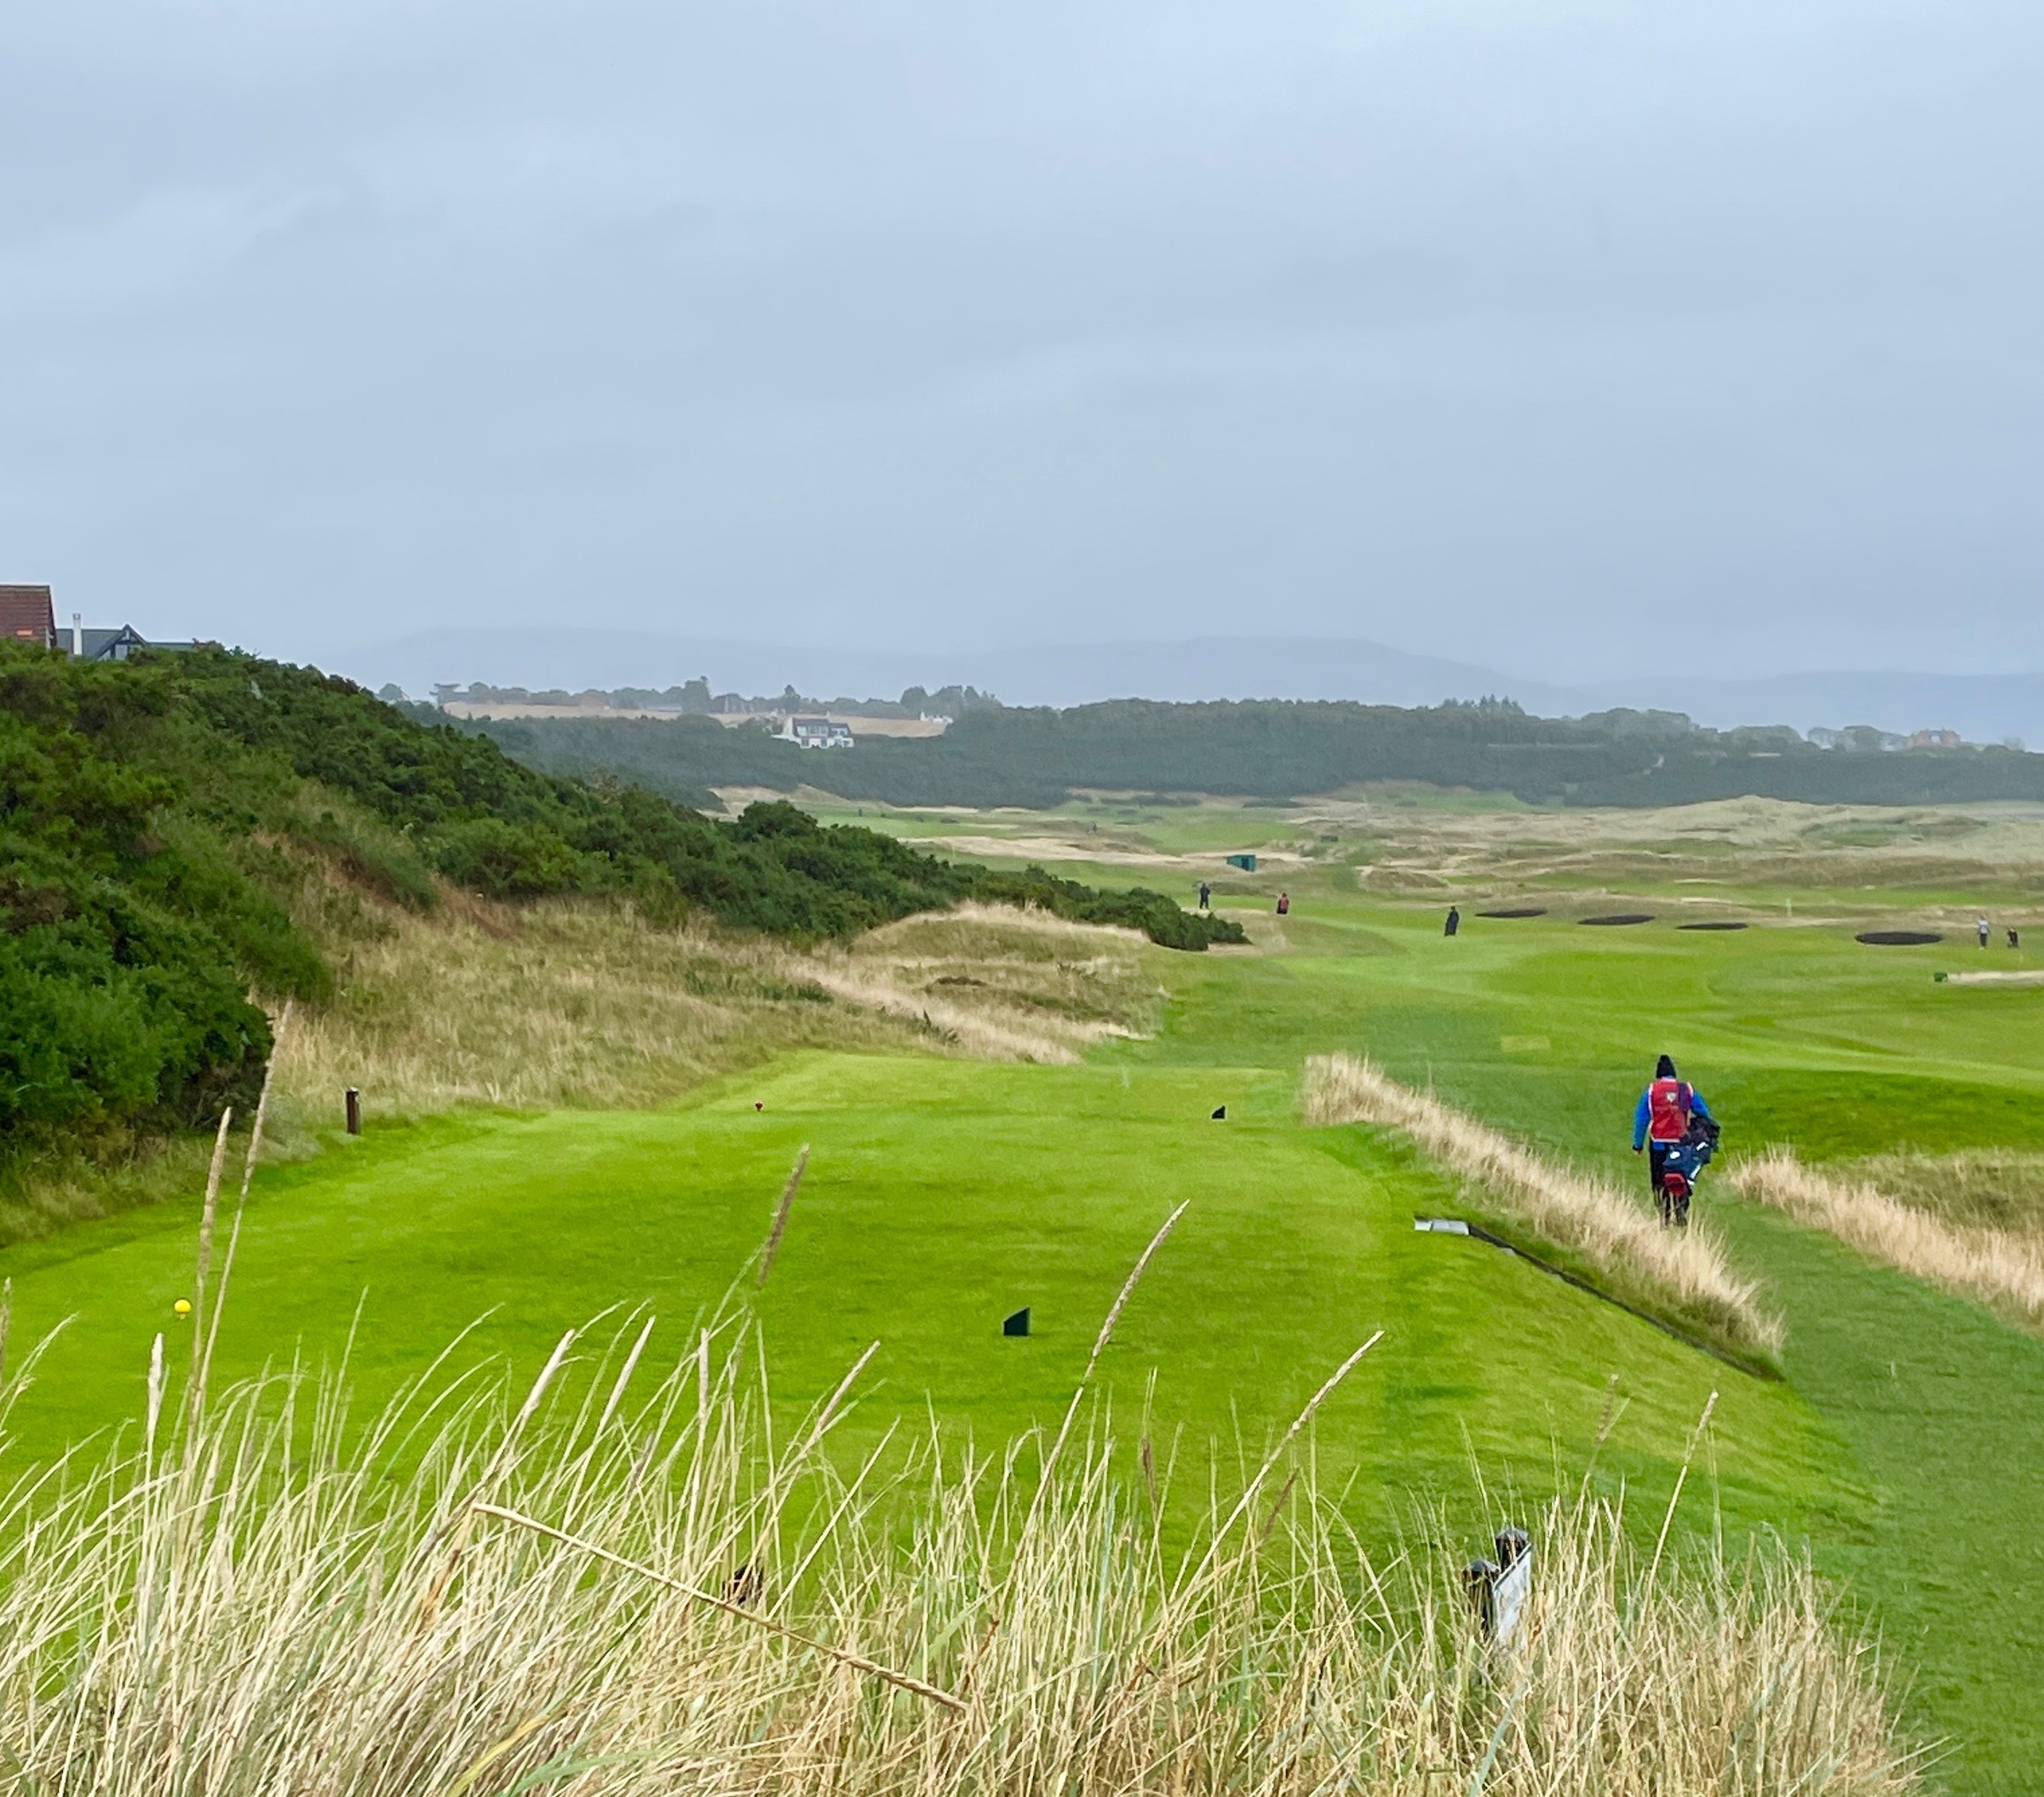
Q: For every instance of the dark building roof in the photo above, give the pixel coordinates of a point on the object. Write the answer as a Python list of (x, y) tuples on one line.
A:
[(27, 616), (107, 645)]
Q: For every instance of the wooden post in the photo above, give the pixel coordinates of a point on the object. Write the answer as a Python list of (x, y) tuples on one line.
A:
[(354, 1111)]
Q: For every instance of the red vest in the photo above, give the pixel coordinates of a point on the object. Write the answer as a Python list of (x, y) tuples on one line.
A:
[(1667, 1111)]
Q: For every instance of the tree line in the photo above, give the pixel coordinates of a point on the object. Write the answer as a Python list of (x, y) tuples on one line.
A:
[(1277, 748)]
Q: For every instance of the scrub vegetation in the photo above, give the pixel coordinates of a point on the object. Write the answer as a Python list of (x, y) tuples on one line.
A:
[(158, 818)]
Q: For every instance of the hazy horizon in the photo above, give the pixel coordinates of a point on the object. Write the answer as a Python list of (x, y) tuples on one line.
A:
[(1982, 707), (1580, 341)]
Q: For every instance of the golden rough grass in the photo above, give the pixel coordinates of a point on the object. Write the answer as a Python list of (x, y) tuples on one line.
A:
[(1687, 1269), (270, 1599), (2002, 1268), (578, 1003), (1005, 983), (1993, 1188), (1606, 855), (586, 1004)]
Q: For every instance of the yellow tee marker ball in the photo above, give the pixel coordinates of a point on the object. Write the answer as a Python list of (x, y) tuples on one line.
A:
[(183, 1306)]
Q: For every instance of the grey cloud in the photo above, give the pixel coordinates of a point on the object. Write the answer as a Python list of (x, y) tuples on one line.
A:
[(1569, 328)]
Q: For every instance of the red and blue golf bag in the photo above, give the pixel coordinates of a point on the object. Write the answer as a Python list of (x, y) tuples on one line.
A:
[(1680, 1163)]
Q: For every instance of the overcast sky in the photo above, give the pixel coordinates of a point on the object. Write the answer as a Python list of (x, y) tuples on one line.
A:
[(1563, 335)]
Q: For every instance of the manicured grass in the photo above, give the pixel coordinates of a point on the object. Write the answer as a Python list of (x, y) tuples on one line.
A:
[(1939, 1406), (939, 1197), (1797, 1034), (1906, 1446)]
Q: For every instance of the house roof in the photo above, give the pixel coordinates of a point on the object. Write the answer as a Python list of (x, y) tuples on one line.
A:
[(99, 645), (26, 615)]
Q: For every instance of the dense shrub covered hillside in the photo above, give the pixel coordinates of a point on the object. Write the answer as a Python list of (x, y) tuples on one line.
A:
[(157, 816), (993, 756)]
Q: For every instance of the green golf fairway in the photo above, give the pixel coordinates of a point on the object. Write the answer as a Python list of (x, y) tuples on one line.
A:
[(1906, 1445), (940, 1196)]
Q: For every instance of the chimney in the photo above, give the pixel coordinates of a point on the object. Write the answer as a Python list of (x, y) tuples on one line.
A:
[(78, 635)]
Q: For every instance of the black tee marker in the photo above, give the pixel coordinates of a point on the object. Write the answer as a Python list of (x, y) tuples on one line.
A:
[(1221, 1112), (1017, 1324)]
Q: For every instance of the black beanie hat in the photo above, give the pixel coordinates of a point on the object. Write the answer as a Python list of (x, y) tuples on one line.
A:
[(1665, 1069)]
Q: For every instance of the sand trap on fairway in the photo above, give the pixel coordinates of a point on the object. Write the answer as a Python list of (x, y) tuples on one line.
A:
[(2034, 977)]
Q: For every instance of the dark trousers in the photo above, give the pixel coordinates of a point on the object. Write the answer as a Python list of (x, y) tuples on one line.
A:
[(1673, 1209)]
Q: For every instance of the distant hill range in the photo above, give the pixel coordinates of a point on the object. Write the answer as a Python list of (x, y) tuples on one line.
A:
[(1981, 708)]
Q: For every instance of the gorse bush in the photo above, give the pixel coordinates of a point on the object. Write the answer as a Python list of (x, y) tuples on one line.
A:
[(127, 934), (157, 816)]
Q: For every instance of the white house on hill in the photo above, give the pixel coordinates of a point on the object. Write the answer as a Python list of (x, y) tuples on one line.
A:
[(815, 732)]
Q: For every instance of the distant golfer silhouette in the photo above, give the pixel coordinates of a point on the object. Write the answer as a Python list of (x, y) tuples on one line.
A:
[(1454, 922)]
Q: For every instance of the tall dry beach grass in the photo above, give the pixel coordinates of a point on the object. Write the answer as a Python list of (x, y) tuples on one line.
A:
[(2002, 1268), (577, 1003), (631, 1584), (587, 1004), (1686, 1269)]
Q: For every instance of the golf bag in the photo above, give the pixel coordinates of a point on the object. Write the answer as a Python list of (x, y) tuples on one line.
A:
[(1681, 1162)]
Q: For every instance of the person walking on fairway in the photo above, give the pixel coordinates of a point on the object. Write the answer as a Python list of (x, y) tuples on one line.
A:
[(1454, 923), (1981, 928), (1284, 905), (1206, 895), (1660, 1121)]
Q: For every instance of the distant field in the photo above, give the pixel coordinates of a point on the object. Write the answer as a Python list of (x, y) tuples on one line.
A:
[(922, 728)]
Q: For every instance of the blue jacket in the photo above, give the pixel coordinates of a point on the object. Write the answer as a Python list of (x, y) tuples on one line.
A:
[(1643, 1113)]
